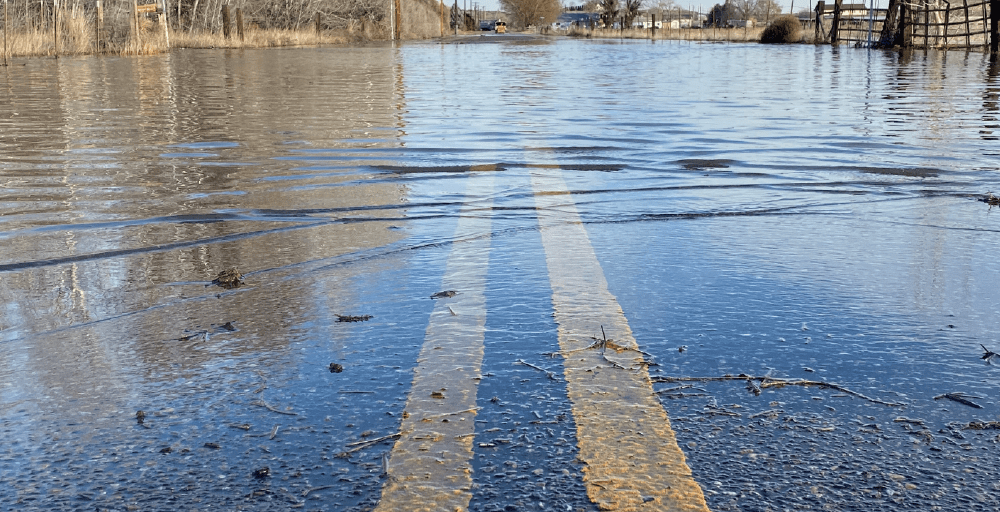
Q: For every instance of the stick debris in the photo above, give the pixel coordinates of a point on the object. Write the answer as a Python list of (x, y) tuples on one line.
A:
[(271, 408), (764, 382), (961, 398)]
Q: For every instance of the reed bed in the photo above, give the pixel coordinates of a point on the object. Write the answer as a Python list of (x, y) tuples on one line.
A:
[(74, 39), (263, 38)]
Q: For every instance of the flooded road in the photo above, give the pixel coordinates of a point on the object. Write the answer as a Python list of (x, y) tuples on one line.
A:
[(541, 275)]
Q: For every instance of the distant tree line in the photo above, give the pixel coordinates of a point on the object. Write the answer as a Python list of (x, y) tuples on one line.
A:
[(760, 11), (524, 13)]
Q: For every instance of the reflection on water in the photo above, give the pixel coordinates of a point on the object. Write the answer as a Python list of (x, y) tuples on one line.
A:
[(733, 193)]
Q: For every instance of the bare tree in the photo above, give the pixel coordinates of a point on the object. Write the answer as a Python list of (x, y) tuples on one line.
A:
[(630, 11), (531, 12), (609, 12)]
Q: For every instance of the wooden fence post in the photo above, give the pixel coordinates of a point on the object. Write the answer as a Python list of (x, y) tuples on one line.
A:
[(135, 25), (164, 22), (652, 27), (947, 19), (319, 24), (239, 23), (225, 21), (994, 26), (986, 27), (399, 21), (968, 28), (98, 21), (6, 28), (835, 26), (55, 25), (906, 24), (819, 33)]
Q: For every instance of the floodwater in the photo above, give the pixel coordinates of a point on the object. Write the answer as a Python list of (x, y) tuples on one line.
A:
[(791, 212)]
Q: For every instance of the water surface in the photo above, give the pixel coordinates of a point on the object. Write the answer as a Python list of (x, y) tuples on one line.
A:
[(799, 212)]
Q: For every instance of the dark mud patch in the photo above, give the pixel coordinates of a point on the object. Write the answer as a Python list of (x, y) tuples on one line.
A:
[(419, 169), (914, 172), (354, 318), (695, 164), (580, 167)]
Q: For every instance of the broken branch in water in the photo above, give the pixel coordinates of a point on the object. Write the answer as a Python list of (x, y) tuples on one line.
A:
[(361, 445), (603, 343), (471, 409), (271, 408), (773, 382), (307, 492), (376, 440), (989, 354), (961, 398), (539, 368)]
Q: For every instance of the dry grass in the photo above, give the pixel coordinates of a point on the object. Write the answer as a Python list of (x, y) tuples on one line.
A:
[(261, 38), (74, 39), (684, 34)]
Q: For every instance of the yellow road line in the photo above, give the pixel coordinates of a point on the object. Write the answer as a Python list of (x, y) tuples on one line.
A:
[(624, 436), (430, 465)]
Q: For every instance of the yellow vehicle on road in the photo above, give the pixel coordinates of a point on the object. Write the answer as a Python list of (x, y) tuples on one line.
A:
[(501, 27)]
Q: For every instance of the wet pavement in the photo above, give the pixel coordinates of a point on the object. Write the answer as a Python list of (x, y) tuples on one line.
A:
[(603, 211)]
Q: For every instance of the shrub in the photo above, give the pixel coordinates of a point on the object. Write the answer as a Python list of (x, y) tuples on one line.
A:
[(784, 29)]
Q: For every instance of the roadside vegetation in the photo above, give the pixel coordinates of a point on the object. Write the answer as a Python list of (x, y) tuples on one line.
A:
[(47, 28)]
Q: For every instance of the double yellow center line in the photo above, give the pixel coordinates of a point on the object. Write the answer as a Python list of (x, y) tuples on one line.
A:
[(630, 455)]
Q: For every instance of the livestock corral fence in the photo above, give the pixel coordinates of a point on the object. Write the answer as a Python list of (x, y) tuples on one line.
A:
[(910, 24)]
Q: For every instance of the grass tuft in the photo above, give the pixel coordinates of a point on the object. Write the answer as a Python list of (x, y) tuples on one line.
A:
[(784, 29)]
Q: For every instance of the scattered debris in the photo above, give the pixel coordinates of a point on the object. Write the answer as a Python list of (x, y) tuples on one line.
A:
[(193, 336), (228, 326), (214, 446), (336, 368), (437, 394), (912, 421), (263, 472), (351, 318), (445, 294), (961, 398), (990, 199), (770, 414), (229, 278), (241, 426), (140, 417), (982, 425), (773, 382), (166, 450)]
